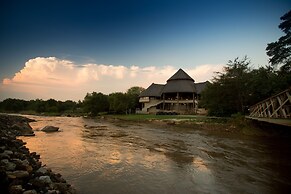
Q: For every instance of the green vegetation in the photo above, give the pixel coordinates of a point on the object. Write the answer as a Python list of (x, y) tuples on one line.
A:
[(48, 107), (93, 104), (239, 87), (280, 51), (114, 103), (178, 118)]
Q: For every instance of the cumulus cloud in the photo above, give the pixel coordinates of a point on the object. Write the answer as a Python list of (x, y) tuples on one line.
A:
[(50, 77)]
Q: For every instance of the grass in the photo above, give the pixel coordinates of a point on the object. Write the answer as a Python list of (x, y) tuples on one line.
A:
[(235, 124), (181, 118)]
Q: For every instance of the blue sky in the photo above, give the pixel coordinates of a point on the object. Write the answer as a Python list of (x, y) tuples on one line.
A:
[(180, 34)]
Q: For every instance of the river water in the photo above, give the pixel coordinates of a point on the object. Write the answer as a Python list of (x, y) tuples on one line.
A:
[(116, 157)]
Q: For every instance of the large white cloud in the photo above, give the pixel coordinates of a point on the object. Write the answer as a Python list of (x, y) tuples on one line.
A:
[(50, 77)]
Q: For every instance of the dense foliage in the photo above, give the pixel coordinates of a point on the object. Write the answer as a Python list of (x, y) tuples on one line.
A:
[(39, 106), (280, 51), (117, 103), (93, 104), (238, 87)]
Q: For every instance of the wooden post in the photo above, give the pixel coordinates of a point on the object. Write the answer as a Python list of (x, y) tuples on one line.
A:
[(194, 102), (163, 101), (178, 101)]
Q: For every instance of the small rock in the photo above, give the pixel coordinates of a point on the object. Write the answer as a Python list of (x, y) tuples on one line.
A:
[(2, 148), (18, 174), (30, 192), (21, 164), (50, 129), (16, 189), (29, 169), (3, 156), (52, 192), (62, 187), (35, 155), (8, 152), (41, 171), (28, 134), (58, 178), (10, 166), (45, 179)]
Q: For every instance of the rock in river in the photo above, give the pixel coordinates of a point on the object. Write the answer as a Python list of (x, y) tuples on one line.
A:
[(50, 129)]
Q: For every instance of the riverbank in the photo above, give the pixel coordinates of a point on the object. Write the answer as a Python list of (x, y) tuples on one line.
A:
[(21, 171), (238, 125)]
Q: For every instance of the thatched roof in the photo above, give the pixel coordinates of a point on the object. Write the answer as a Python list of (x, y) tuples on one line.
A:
[(154, 90), (180, 75), (201, 86), (174, 86), (179, 82)]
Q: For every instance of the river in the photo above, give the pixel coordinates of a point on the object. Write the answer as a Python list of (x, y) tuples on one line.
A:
[(116, 157)]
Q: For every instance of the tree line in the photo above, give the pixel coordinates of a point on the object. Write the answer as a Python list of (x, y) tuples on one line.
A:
[(93, 104), (239, 86)]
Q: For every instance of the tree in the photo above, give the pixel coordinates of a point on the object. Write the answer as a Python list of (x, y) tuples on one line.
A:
[(263, 83), (280, 51), (133, 97), (229, 91), (13, 105), (51, 106), (95, 103), (118, 103)]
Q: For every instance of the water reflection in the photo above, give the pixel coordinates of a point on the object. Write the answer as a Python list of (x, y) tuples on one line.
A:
[(102, 157), (200, 164)]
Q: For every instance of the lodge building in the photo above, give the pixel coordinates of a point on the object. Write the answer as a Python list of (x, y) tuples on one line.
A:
[(179, 95)]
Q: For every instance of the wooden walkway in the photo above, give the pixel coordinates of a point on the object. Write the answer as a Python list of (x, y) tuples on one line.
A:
[(283, 122), (274, 110), (278, 106)]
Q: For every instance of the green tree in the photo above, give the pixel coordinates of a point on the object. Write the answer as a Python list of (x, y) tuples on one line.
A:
[(119, 103), (51, 105), (13, 105), (229, 91), (280, 51), (39, 106), (133, 97), (68, 105), (95, 103), (263, 83)]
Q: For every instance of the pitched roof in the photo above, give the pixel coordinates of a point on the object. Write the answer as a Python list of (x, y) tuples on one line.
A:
[(153, 90), (201, 86), (180, 75), (179, 82), (174, 86)]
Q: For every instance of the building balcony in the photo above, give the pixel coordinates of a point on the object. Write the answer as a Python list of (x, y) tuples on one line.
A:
[(144, 99), (179, 101)]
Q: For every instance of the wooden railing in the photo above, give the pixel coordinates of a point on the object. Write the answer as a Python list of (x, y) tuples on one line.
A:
[(278, 106)]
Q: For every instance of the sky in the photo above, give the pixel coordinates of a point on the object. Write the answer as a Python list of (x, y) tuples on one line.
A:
[(64, 49)]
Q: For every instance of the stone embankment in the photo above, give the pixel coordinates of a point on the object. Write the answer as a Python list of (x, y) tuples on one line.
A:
[(21, 170)]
